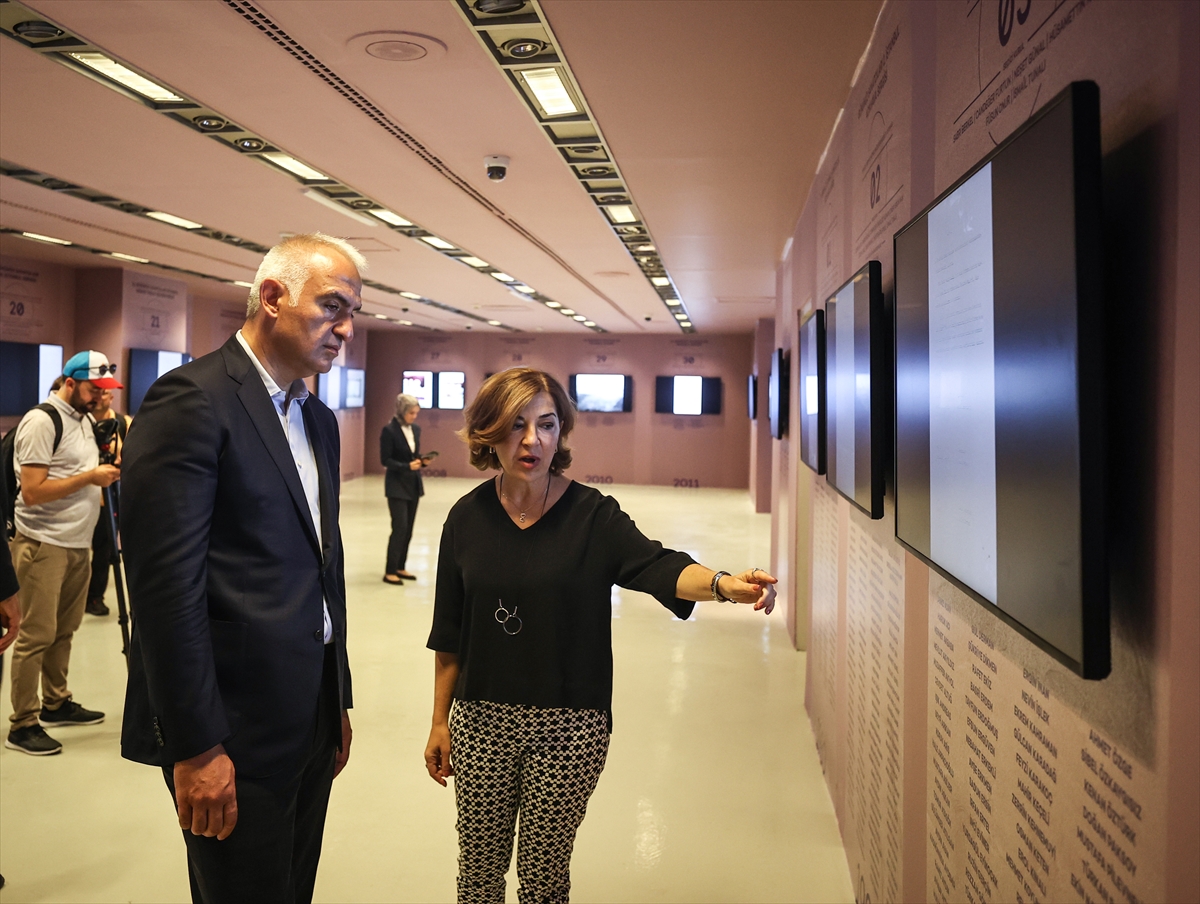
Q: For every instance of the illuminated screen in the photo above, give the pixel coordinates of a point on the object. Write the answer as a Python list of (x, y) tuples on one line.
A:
[(601, 392), (688, 395), (452, 390), (812, 391), (999, 383), (419, 385), (356, 387), (329, 386)]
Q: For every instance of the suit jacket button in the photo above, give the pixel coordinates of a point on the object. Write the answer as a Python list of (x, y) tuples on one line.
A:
[(318, 634)]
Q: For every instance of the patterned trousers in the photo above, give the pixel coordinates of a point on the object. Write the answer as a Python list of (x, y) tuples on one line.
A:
[(541, 763)]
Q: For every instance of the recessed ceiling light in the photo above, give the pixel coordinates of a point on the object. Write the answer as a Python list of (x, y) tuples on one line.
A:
[(685, 323), (620, 213), (659, 281), (503, 277), (294, 166), (127, 257), (251, 144), (674, 302), (123, 75), (553, 304), (644, 248), (441, 244), (473, 261), (37, 30), (579, 317), (493, 323), (497, 7), (209, 123), (547, 86), (243, 284), (523, 48), (173, 220), (566, 311), (48, 239), (380, 316), (589, 323), (323, 199), (413, 295), (681, 316), (521, 287), (388, 217), (405, 322)]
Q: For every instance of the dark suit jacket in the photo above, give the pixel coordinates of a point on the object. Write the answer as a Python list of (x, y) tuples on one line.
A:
[(226, 571), (401, 481)]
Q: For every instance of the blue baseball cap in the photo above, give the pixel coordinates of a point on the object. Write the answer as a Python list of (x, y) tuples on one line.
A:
[(93, 367)]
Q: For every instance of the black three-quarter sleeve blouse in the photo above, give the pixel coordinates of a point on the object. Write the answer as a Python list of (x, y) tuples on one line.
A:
[(557, 577)]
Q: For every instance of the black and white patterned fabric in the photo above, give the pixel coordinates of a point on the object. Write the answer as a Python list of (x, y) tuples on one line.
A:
[(541, 763)]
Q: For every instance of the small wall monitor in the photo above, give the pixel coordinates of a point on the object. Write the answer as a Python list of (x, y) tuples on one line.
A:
[(752, 396), (26, 372), (687, 395), (452, 390), (811, 363), (419, 385), (145, 366), (778, 395), (856, 390), (356, 387), (602, 392), (1000, 441), (331, 386)]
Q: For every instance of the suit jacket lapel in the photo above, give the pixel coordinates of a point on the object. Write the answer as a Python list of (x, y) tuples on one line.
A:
[(254, 398), (326, 478)]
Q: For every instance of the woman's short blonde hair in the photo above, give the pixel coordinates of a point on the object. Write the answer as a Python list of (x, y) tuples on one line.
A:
[(405, 402), (500, 400)]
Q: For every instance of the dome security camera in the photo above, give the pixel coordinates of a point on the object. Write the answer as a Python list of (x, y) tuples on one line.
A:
[(496, 167)]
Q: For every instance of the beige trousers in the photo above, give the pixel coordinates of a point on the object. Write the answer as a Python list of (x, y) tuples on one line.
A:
[(54, 583)]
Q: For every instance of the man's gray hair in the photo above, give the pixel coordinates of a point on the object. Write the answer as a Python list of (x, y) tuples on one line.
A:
[(405, 403), (288, 263)]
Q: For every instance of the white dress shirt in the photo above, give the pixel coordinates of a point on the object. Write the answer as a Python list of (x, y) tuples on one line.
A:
[(291, 419), (406, 429)]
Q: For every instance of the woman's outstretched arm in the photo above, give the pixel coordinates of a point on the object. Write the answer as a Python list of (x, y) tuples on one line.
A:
[(752, 587)]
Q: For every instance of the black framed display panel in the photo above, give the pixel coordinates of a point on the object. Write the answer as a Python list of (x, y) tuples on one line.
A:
[(752, 396), (811, 386), (778, 397), (1000, 391), (601, 393), (857, 396), (709, 396)]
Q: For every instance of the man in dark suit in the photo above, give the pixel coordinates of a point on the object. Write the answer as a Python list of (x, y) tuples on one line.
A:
[(400, 454), (238, 681)]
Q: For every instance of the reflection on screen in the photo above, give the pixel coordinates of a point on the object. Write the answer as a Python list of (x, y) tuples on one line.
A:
[(356, 387), (452, 390), (168, 361), (419, 385), (811, 400), (50, 364), (600, 392), (689, 395)]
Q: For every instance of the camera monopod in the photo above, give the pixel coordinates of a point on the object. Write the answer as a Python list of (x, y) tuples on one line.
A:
[(114, 540)]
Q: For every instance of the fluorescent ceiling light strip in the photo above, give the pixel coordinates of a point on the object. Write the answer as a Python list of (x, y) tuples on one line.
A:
[(620, 213), (547, 86), (172, 220), (474, 262), (294, 166), (660, 281), (413, 295), (127, 257), (503, 277), (579, 317), (589, 323), (48, 239), (438, 243), (387, 216), (493, 323), (323, 199), (243, 284), (553, 304), (123, 75), (521, 287)]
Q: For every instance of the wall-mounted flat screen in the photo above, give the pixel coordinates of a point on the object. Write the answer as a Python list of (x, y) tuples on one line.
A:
[(856, 390), (811, 382), (331, 386), (452, 390), (1000, 383), (356, 387), (752, 396), (602, 392), (778, 396), (419, 385), (145, 366), (686, 394), (27, 371)]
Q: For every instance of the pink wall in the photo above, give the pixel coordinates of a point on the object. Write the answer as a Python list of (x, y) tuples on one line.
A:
[(890, 688), (635, 447)]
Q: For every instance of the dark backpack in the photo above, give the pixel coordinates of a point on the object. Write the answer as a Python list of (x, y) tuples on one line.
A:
[(11, 484)]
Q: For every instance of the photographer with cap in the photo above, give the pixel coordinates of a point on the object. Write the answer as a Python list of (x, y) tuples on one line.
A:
[(57, 464)]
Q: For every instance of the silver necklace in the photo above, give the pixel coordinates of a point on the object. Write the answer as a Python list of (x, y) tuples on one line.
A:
[(509, 621)]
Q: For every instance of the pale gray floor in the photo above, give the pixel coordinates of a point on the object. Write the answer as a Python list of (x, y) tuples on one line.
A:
[(713, 790)]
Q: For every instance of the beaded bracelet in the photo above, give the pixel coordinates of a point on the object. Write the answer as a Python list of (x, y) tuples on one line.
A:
[(716, 593)]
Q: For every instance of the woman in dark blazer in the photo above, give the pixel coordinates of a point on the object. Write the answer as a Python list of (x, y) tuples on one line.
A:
[(400, 453)]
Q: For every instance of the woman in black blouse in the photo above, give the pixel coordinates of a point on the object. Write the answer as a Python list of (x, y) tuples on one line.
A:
[(523, 641)]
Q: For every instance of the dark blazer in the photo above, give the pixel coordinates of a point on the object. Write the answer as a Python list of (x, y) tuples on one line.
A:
[(226, 571), (401, 481)]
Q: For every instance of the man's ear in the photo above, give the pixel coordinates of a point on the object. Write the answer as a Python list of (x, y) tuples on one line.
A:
[(272, 294)]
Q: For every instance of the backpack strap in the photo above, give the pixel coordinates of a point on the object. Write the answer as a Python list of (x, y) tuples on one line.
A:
[(55, 419)]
